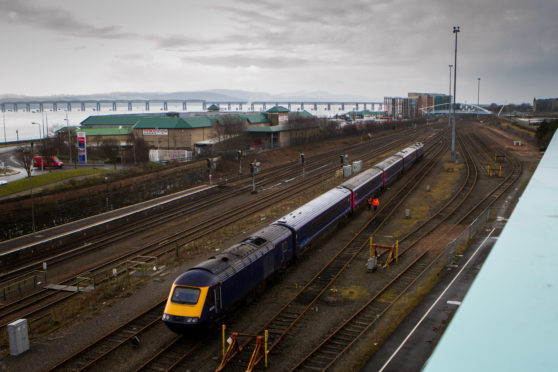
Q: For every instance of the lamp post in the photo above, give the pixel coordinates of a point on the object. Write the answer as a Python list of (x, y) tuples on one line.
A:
[(449, 98), (39, 124), (455, 31), (42, 160), (478, 97), (69, 135)]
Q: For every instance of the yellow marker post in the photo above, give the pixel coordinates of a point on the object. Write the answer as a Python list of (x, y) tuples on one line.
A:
[(224, 341), (370, 246), (265, 348), (396, 250)]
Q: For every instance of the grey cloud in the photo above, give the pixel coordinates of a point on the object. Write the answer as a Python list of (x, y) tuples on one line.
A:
[(245, 61), (57, 20)]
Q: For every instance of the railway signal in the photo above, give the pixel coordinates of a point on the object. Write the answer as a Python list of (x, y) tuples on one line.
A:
[(302, 162), (239, 158)]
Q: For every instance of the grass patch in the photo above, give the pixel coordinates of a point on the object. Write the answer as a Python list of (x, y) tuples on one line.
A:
[(46, 179), (419, 213), (446, 182)]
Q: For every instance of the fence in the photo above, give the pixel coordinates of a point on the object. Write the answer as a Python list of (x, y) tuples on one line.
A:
[(21, 284), (463, 239)]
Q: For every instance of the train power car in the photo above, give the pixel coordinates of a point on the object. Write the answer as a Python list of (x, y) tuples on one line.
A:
[(202, 293), (205, 291)]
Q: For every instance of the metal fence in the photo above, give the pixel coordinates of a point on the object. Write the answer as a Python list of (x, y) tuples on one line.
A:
[(463, 239), (22, 284)]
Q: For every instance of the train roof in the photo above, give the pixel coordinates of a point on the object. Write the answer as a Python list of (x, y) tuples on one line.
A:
[(299, 217), (361, 178), (270, 233), (407, 151), (223, 265), (197, 278), (508, 321), (389, 162)]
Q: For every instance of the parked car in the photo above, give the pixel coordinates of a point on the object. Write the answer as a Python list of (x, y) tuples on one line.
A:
[(47, 162)]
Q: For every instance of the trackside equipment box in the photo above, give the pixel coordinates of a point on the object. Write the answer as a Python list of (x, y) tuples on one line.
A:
[(18, 336)]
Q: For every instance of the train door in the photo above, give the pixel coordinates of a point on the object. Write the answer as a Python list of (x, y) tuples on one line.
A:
[(215, 298)]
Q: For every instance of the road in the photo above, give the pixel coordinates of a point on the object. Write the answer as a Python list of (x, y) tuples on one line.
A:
[(9, 159)]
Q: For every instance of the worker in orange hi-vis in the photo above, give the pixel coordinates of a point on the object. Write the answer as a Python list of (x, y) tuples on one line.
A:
[(376, 203), (370, 203)]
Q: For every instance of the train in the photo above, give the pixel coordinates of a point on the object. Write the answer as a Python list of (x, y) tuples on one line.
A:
[(206, 291)]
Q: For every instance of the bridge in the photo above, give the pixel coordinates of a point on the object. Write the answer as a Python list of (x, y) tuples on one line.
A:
[(128, 105), (460, 109)]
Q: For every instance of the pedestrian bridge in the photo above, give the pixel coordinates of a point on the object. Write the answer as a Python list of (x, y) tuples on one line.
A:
[(460, 109)]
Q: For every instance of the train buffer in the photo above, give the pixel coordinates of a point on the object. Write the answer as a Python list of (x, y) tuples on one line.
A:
[(373, 260), (260, 350), (494, 171), (499, 158)]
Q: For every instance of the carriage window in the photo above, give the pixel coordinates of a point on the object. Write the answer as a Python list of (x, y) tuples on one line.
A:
[(185, 295)]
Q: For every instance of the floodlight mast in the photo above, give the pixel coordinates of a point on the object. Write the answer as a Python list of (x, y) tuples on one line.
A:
[(455, 31)]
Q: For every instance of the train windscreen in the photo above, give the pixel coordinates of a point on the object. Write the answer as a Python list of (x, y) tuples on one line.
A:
[(186, 295)]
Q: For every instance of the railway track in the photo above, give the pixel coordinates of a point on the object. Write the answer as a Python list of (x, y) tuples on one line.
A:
[(346, 335), (336, 344)]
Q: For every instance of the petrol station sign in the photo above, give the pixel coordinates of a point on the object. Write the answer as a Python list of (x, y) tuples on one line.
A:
[(82, 148)]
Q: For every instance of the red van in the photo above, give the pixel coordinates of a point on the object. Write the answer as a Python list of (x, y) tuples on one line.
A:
[(47, 162)]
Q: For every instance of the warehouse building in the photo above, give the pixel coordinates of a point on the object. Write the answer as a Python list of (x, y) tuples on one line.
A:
[(268, 129)]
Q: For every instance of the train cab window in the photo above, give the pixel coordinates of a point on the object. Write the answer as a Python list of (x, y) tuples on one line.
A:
[(185, 295)]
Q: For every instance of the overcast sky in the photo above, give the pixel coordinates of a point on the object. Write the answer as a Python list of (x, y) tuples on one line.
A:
[(370, 48)]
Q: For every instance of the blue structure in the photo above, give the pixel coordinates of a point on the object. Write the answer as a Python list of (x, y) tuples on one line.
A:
[(509, 319)]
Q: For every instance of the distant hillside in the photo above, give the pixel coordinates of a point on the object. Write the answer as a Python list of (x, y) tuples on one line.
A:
[(216, 95)]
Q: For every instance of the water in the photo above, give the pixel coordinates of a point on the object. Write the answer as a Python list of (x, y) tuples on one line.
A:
[(18, 125)]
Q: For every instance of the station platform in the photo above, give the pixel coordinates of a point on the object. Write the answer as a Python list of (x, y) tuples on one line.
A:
[(67, 233), (508, 321)]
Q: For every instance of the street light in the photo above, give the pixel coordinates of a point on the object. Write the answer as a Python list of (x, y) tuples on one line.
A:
[(455, 31), (69, 136), (39, 124), (478, 98), (42, 162), (4, 115)]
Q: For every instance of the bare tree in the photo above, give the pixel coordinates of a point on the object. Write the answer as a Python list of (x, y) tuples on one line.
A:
[(138, 150), (109, 149), (24, 155), (233, 125)]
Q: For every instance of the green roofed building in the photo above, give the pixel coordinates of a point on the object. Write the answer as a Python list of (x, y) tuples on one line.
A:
[(266, 129)]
